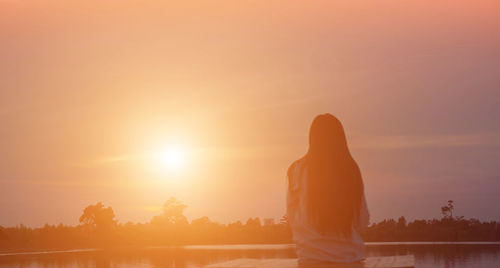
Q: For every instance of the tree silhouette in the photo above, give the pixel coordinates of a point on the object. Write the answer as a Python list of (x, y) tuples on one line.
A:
[(200, 222), (447, 210), (3, 236), (236, 224), (97, 216), (173, 213), (284, 220), (401, 222), (254, 223)]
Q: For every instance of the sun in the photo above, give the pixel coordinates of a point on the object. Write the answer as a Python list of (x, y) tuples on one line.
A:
[(171, 158)]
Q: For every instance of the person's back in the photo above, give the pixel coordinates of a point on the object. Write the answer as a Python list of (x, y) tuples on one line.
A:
[(326, 207)]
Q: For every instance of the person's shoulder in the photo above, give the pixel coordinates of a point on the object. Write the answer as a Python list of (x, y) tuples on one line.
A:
[(300, 162), (296, 164)]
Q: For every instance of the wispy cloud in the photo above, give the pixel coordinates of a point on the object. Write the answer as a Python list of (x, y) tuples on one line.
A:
[(357, 141), (287, 102), (61, 182), (113, 159), (397, 142), (121, 158)]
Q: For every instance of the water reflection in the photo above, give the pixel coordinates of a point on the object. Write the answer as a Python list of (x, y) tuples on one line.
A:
[(444, 255), (426, 255)]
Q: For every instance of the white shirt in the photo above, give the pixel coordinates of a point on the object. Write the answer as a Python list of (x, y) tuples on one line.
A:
[(312, 246)]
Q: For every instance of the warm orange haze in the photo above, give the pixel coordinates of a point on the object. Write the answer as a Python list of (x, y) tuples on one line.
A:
[(130, 103)]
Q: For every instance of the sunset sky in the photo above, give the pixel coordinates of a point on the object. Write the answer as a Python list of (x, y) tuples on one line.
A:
[(96, 96)]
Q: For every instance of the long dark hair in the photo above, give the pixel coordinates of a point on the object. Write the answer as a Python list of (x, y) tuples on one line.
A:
[(334, 184)]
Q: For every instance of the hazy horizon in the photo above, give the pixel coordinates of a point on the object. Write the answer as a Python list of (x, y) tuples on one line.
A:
[(92, 92)]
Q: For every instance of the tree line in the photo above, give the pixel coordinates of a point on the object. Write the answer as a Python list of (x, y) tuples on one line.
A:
[(98, 228), (449, 228)]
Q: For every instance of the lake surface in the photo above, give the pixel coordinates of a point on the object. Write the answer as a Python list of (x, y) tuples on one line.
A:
[(429, 255)]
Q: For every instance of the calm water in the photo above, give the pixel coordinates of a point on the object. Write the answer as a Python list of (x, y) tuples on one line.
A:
[(426, 255)]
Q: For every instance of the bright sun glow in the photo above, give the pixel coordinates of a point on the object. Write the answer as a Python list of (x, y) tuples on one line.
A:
[(172, 158)]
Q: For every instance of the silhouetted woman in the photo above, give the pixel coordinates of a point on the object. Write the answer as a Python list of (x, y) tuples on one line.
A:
[(326, 206)]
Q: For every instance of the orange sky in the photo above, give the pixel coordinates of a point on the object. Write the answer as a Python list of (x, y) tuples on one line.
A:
[(88, 89)]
